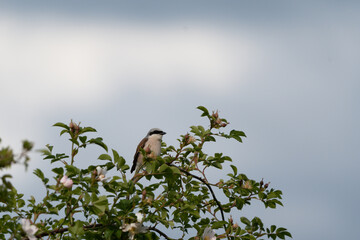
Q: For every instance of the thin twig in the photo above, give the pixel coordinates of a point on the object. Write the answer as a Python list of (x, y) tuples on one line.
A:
[(209, 187), (160, 232), (93, 226), (62, 230)]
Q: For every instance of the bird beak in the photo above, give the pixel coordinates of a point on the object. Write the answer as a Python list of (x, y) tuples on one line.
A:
[(163, 133)]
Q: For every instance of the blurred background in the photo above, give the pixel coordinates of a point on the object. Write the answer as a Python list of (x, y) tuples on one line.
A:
[(284, 72)]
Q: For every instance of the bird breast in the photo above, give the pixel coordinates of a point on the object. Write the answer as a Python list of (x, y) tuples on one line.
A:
[(154, 144)]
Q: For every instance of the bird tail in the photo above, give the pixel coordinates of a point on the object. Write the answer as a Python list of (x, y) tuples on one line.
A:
[(133, 168)]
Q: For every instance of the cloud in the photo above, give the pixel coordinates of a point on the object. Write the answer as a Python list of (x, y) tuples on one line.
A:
[(298, 106), (45, 59)]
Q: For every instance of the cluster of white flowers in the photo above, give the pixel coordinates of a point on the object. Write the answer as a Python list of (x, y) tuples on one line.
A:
[(135, 228), (67, 182), (29, 228)]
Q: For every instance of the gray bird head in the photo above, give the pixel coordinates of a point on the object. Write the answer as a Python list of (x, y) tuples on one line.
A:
[(155, 131)]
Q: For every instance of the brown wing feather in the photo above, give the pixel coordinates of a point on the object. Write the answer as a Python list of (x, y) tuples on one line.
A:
[(141, 145)]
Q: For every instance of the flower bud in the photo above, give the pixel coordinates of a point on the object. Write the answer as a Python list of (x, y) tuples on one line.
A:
[(74, 128), (241, 182), (68, 183), (186, 137), (215, 114), (71, 125), (63, 179), (143, 194)]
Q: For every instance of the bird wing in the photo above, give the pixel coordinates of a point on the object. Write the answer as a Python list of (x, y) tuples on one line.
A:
[(141, 145)]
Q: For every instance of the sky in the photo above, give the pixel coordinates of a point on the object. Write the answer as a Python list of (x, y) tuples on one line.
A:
[(284, 72)]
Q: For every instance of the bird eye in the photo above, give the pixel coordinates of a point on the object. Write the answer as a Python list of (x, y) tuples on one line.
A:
[(157, 132)]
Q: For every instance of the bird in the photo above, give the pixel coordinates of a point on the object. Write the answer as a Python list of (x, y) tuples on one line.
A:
[(151, 143)]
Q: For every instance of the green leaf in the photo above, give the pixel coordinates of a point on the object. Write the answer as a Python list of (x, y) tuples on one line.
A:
[(101, 204), (205, 111), (116, 155), (210, 138), (87, 129), (125, 167), (195, 130), (83, 139), (218, 224), (39, 173), (271, 195), (108, 234), (77, 229), (280, 229), (54, 210), (99, 142), (21, 203), (175, 170), (63, 131), (163, 167), (287, 234), (237, 133), (58, 170), (234, 169), (49, 147), (27, 145), (46, 152), (63, 125), (271, 204), (124, 204), (261, 195), (104, 157), (194, 213), (75, 141), (245, 221), (87, 198), (71, 170), (237, 138), (217, 165), (202, 129)]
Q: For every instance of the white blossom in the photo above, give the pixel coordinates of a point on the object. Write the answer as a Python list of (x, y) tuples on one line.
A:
[(101, 172), (139, 217), (208, 234), (29, 229), (134, 228)]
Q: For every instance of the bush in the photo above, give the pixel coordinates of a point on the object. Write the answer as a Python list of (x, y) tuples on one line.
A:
[(171, 191)]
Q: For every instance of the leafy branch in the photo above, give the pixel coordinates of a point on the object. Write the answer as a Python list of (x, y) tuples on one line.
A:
[(171, 191)]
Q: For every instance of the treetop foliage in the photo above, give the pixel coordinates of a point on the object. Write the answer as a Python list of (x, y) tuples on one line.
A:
[(172, 197)]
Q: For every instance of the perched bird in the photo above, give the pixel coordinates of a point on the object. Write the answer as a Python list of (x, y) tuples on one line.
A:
[(151, 144)]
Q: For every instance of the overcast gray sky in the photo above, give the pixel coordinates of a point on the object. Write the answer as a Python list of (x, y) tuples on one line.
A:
[(285, 72)]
